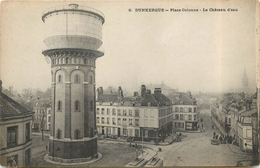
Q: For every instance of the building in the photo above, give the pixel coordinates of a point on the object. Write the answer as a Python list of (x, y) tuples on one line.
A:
[(255, 140), (155, 114), (15, 125), (185, 113), (73, 49), (48, 118), (40, 117), (244, 129), (149, 116)]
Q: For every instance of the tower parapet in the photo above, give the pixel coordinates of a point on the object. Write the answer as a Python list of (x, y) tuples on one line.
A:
[(73, 37)]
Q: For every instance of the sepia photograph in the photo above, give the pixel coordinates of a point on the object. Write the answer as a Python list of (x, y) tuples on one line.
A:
[(129, 83)]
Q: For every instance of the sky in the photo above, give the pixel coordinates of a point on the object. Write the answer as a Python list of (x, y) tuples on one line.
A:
[(196, 51)]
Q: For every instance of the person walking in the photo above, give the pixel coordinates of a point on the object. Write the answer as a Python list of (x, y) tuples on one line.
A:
[(202, 126), (214, 134)]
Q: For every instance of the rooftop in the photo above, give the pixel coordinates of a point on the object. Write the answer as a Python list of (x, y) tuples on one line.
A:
[(185, 101), (248, 113), (11, 109)]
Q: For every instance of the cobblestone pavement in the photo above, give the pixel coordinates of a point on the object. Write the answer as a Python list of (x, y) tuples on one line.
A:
[(196, 149)]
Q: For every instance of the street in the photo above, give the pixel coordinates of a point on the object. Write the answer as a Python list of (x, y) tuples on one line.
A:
[(196, 149)]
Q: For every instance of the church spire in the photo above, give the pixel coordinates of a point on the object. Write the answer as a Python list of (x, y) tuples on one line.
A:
[(245, 80)]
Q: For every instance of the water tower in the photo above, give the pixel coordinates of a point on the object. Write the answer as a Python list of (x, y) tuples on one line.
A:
[(73, 37)]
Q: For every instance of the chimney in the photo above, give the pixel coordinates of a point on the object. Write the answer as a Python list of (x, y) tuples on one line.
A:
[(143, 91), (157, 91)]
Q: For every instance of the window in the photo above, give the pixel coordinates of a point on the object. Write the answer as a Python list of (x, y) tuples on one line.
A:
[(91, 105), (98, 120), (67, 60), (27, 157), (85, 61), (103, 120), (49, 112), (108, 120), (59, 105), (195, 109), (181, 116), (114, 111), (130, 121), (118, 112), (137, 113), (59, 134), (177, 109), (77, 134), (136, 122), (77, 105), (49, 119), (12, 136), (52, 61), (190, 109), (146, 123), (90, 79), (98, 111), (59, 78), (124, 121), (136, 132), (181, 109), (176, 116), (182, 125), (114, 121), (229, 120), (152, 113), (146, 113), (27, 132), (12, 161), (103, 111), (108, 111), (190, 117), (124, 113), (124, 132), (195, 117), (119, 121), (77, 79), (130, 112)]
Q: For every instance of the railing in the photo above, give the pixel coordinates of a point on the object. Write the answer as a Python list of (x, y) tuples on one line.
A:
[(78, 8)]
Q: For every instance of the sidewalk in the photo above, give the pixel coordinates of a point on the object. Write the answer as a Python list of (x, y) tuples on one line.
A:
[(143, 159), (237, 150), (39, 133)]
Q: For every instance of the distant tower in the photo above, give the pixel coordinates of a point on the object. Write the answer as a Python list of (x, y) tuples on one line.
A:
[(245, 82), (73, 36)]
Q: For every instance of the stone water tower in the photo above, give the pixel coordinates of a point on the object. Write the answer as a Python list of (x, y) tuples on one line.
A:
[(73, 35)]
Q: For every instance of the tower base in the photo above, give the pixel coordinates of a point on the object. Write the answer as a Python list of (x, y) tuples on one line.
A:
[(72, 162), (72, 151)]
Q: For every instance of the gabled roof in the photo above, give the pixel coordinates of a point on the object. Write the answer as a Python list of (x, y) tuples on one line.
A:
[(155, 100), (11, 109), (185, 101), (108, 98)]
